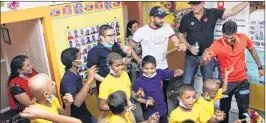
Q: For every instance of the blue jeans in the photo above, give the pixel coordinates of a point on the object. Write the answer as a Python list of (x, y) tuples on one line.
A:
[(217, 64), (191, 67)]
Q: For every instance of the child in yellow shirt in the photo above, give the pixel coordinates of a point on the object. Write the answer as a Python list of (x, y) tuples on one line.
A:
[(187, 108), (118, 104), (212, 93), (117, 79), (43, 89)]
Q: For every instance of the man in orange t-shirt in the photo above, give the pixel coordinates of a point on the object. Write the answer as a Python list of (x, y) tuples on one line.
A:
[(230, 52)]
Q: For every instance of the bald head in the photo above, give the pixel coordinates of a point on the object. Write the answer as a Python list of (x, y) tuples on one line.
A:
[(210, 84), (39, 84)]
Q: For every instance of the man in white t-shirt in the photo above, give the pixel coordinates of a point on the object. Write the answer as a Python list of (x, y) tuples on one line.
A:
[(154, 40)]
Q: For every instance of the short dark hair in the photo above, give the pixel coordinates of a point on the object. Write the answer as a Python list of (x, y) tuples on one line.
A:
[(148, 59), (112, 57), (229, 27), (188, 121), (117, 101), (68, 56), (103, 29), (194, 2), (183, 88)]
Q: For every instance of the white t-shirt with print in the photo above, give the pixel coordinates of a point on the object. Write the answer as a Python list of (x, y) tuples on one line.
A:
[(154, 42)]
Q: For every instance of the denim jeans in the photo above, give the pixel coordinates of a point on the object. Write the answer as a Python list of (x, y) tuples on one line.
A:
[(217, 64), (191, 67)]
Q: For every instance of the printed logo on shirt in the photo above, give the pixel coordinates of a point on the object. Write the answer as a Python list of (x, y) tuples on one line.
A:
[(157, 40), (192, 23), (205, 19)]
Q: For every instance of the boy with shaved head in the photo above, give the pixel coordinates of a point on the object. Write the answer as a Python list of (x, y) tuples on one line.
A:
[(43, 89), (212, 93)]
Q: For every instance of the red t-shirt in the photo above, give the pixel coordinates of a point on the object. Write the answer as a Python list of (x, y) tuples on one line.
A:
[(232, 57), (23, 83)]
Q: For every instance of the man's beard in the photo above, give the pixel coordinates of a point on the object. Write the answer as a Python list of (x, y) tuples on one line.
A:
[(158, 25)]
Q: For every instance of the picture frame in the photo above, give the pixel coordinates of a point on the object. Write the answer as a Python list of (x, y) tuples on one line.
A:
[(5, 34)]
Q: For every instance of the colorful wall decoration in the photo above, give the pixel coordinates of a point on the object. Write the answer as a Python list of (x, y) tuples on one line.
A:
[(76, 25), (86, 38), (77, 8)]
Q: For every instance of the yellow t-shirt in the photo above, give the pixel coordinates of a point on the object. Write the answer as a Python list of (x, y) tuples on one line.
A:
[(118, 119), (197, 114), (209, 105), (111, 84), (54, 109)]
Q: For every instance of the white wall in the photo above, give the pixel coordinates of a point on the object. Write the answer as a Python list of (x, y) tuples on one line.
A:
[(17, 41)]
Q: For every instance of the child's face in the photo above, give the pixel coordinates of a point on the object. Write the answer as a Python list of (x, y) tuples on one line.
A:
[(212, 91), (118, 66), (149, 69), (188, 98), (51, 89)]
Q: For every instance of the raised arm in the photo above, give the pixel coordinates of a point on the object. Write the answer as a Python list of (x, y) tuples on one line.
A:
[(236, 9), (34, 112), (227, 72)]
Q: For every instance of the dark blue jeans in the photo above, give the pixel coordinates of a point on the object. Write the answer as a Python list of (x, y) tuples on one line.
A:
[(191, 67)]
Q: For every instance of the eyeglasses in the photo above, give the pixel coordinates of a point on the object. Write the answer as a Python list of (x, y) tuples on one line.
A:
[(111, 35)]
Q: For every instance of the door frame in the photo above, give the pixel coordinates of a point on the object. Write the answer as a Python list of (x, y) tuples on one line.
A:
[(42, 13), (5, 59)]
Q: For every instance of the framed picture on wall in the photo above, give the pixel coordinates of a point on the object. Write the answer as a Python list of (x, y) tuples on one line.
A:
[(5, 34)]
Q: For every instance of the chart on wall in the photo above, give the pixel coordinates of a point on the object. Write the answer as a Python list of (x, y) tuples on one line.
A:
[(77, 8), (257, 35), (86, 38)]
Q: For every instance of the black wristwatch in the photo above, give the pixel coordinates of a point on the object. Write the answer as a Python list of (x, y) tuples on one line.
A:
[(260, 68)]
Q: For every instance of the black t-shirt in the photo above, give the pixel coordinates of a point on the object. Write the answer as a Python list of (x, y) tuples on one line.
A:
[(200, 31), (72, 83), (15, 90)]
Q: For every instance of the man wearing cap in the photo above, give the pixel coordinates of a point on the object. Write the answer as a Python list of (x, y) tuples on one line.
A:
[(230, 52), (199, 26), (154, 39)]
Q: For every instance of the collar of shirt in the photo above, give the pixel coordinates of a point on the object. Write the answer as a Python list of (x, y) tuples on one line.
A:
[(226, 44), (72, 75), (205, 13)]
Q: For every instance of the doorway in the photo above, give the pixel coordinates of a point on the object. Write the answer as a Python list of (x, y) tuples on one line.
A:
[(26, 38)]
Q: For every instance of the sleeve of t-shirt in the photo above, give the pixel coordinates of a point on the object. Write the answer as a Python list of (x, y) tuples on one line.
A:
[(170, 31), (16, 89), (104, 90), (166, 74), (69, 87), (204, 116), (183, 24), (212, 50), (249, 42), (92, 58), (219, 94), (173, 117), (137, 37), (218, 13), (127, 79)]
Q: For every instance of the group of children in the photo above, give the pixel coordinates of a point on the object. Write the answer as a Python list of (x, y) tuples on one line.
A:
[(116, 95)]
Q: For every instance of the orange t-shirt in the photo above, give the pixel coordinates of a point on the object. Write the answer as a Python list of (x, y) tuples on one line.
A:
[(232, 57)]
